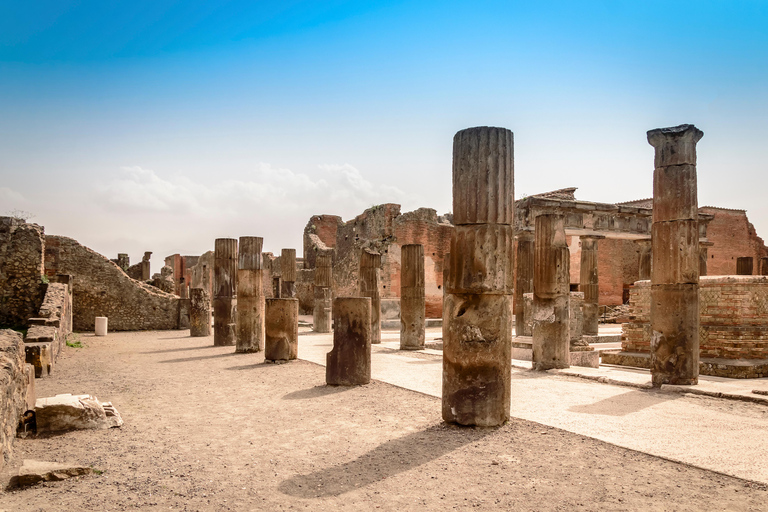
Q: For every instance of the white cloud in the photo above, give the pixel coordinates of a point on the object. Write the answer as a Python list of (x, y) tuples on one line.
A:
[(10, 197)]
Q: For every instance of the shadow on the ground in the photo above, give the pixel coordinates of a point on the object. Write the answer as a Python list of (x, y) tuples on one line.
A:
[(182, 349), (315, 392), (384, 461), (199, 358), (254, 366), (624, 404)]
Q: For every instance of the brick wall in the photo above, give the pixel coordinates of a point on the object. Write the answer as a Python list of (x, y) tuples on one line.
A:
[(733, 237), (21, 269)]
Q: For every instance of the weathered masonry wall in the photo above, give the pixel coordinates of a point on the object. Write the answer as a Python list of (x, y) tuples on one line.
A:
[(21, 269), (14, 376), (733, 237), (101, 288)]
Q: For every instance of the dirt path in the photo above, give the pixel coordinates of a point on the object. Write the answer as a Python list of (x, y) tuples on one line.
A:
[(206, 429)]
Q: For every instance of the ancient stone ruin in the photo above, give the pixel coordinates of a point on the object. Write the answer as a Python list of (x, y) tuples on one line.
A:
[(349, 363), (281, 330), (412, 300), (224, 286), (322, 313), (250, 296)]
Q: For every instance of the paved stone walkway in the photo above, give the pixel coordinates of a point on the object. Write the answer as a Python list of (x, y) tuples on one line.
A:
[(723, 435)]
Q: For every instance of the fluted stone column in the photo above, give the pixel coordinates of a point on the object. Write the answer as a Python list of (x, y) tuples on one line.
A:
[(588, 283), (224, 287), (477, 328), (288, 273), (370, 262), (551, 294), (281, 329), (199, 313), (250, 296), (523, 280), (644, 259), (412, 298), (675, 268), (349, 363), (704, 256), (321, 315)]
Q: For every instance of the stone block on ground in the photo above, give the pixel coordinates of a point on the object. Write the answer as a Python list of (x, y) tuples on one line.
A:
[(588, 358), (32, 472), (72, 412)]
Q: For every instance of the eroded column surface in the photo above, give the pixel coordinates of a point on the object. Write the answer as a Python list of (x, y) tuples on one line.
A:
[(675, 253), (370, 263), (288, 273), (224, 287), (281, 329), (199, 313), (412, 298), (523, 280), (644, 259), (588, 283), (321, 314), (250, 296), (704, 256), (551, 294), (349, 363), (477, 327)]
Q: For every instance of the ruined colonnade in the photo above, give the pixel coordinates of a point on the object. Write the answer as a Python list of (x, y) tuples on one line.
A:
[(323, 292), (224, 287), (412, 297), (370, 262), (250, 296)]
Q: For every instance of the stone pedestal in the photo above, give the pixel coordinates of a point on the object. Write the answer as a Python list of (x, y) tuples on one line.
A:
[(524, 280), (675, 269), (101, 326), (321, 315), (551, 289), (477, 309), (288, 273), (199, 313), (644, 259), (370, 263), (412, 297), (281, 337), (588, 283), (250, 296), (224, 286), (349, 363)]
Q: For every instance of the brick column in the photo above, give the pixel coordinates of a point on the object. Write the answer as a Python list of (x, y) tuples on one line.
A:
[(224, 286), (675, 268), (288, 273), (589, 283), (370, 262), (477, 328), (321, 314), (250, 296), (644, 259), (523, 279)]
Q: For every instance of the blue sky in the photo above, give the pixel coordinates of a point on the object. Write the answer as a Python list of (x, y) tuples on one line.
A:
[(164, 125)]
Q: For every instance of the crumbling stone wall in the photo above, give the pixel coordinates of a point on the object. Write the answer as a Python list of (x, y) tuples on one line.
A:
[(733, 237), (21, 269), (54, 319), (101, 288), (13, 389)]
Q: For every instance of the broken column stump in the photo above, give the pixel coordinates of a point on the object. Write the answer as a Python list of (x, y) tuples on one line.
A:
[(523, 280), (412, 298), (675, 252), (288, 273), (589, 284), (199, 313), (370, 262), (321, 314), (551, 294), (224, 287), (281, 330), (250, 296), (349, 363), (477, 327)]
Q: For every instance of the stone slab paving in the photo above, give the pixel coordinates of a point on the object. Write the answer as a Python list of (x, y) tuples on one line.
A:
[(713, 433)]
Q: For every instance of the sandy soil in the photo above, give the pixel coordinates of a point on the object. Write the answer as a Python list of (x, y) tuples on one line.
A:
[(206, 429)]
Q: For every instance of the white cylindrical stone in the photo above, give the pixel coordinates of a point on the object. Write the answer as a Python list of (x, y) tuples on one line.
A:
[(101, 326)]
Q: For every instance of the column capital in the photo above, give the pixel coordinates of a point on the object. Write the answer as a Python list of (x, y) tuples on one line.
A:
[(675, 145)]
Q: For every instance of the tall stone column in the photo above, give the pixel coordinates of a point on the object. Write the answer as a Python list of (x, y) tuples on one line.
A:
[(145, 268), (224, 287), (675, 268), (250, 296), (323, 292), (644, 259), (281, 329), (551, 294), (199, 313), (523, 279), (477, 328), (370, 262), (288, 273), (349, 363), (412, 299), (588, 283), (704, 256)]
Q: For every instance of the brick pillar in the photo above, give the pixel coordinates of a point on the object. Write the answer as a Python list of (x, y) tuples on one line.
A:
[(370, 262), (199, 313), (523, 279), (704, 256), (551, 294), (675, 268), (744, 266), (589, 283), (323, 292), (477, 328), (250, 296), (224, 286), (288, 273), (281, 329), (349, 363), (644, 259), (412, 299)]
